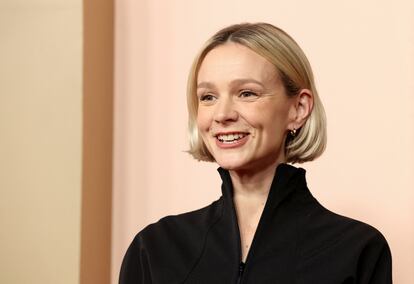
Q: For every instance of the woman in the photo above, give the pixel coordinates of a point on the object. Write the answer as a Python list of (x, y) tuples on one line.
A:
[(253, 108)]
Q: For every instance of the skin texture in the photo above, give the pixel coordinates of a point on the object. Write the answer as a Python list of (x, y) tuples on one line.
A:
[(240, 91)]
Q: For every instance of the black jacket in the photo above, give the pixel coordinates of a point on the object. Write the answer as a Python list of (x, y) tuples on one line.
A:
[(297, 241)]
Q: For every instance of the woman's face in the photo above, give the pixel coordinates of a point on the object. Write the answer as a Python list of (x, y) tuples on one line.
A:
[(243, 113)]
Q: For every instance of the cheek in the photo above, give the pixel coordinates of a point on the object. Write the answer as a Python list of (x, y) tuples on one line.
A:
[(271, 121), (278, 112), (203, 120)]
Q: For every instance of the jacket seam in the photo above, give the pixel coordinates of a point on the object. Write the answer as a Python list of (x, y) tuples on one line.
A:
[(205, 241)]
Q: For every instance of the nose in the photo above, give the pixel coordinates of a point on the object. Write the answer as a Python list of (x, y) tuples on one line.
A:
[(225, 110)]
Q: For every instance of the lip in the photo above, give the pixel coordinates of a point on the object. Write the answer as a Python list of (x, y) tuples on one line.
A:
[(235, 144), (229, 132)]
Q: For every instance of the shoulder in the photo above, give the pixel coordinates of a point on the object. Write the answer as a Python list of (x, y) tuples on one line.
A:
[(168, 248), (193, 222), (346, 247), (329, 231), (324, 220)]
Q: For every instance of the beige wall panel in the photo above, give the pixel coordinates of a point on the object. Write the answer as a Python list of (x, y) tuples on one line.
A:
[(362, 53), (40, 141), (95, 259)]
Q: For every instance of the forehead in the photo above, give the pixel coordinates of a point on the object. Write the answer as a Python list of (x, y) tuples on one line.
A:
[(233, 61)]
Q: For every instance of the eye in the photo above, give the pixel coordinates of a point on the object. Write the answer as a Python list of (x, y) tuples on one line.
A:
[(206, 98), (247, 94)]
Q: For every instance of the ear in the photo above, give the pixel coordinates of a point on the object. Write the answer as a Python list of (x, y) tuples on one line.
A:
[(301, 108)]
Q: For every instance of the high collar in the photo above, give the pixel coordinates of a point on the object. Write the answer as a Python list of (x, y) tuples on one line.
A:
[(286, 179)]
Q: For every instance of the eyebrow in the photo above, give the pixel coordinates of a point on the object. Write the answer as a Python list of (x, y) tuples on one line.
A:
[(232, 83), (205, 85)]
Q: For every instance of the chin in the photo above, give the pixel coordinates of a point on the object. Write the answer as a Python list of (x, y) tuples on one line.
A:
[(231, 164)]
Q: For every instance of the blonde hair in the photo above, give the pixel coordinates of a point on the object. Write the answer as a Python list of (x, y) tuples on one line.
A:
[(285, 54)]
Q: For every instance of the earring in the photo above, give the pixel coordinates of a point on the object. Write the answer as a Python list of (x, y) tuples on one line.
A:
[(293, 132)]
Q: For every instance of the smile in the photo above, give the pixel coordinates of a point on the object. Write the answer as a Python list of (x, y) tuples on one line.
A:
[(231, 138)]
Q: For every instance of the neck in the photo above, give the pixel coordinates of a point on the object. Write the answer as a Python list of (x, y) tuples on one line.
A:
[(253, 184)]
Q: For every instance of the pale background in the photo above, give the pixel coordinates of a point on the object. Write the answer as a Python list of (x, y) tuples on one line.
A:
[(55, 141), (40, 141), (362, 53)]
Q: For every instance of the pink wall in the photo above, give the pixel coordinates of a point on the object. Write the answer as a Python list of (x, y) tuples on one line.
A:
[(362, 54)]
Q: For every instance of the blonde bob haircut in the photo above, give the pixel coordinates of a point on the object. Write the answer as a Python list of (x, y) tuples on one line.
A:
[(285, 54)]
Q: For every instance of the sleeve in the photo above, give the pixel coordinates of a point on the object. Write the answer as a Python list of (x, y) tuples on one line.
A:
[(375, 263), (135, 268)]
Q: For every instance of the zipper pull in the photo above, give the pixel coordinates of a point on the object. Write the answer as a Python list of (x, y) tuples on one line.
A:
[(241, 269)]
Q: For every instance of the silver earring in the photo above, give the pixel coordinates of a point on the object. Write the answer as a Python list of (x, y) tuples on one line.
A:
[(293, 132)]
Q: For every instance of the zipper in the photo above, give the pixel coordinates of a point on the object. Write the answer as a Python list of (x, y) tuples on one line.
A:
[(255, 236), (242, 265), (241, 269)]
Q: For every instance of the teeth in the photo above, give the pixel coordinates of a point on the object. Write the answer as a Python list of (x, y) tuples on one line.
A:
[(231, 137)]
